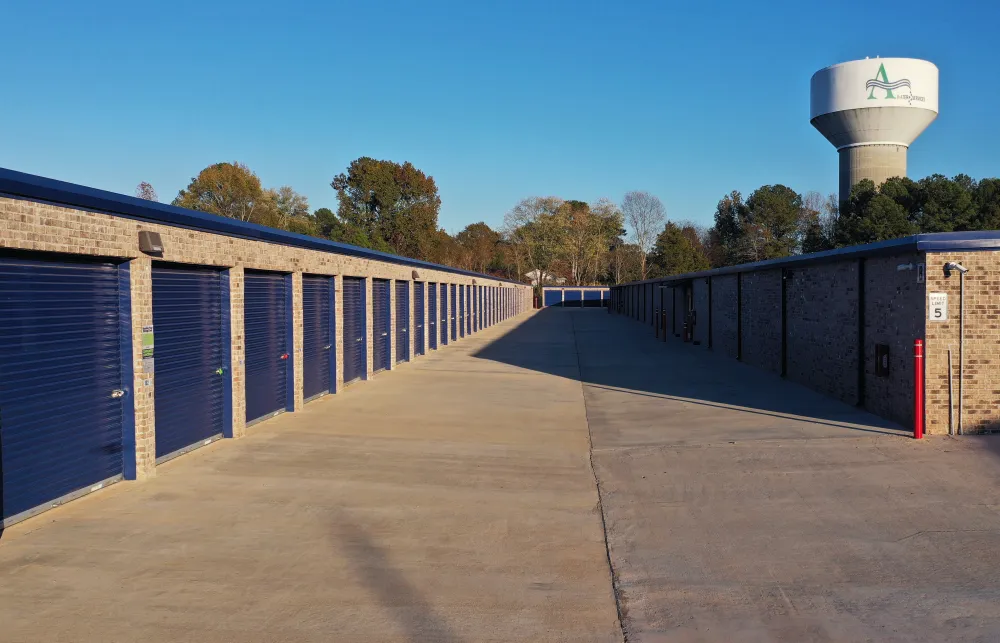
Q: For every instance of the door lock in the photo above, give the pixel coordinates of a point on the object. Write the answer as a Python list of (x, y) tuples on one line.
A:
[(117, 393)]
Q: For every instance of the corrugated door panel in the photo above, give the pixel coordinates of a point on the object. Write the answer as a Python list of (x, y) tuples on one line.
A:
[(189, 362), (443, 316), (418, 318), (432, 315), (592, 298), (380, 325), (60, 365), (452, 312), (482, 307), (267, 356), (317, 346), (552, 297), (468, 310), (402, 320), (355, 357), (461, 311)]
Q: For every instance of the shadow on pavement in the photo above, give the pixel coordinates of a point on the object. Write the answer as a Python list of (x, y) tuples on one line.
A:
[(612, 352), (400, 599)]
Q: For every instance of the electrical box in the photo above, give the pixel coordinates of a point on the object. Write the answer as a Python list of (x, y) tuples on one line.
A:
[(882, 360)]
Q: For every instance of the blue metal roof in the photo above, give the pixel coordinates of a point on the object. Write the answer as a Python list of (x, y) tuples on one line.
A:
[(930, 242), (29, 186)]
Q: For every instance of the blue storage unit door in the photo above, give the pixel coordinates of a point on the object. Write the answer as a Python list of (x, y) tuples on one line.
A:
[(191, 362), (453, 312), (474, 301), (265, 321), (355, 352), (482, 307), (552, 297), (418, 318), (592, 298), (443, 317), (402, 321), (468, 310), (381, 327), (572, 298), (61, 390), (461, 311), (317, 335), (432, 315)]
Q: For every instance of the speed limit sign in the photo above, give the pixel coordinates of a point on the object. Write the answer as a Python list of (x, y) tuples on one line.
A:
[(937, 306)]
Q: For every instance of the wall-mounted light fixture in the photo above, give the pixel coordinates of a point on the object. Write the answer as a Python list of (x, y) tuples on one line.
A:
[(150, 243)]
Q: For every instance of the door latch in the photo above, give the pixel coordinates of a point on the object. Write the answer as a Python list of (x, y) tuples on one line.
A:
[(221, 370), (117, 393), (327, 347), (284, 356)]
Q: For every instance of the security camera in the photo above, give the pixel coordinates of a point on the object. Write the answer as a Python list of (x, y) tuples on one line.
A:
[(952, 265)]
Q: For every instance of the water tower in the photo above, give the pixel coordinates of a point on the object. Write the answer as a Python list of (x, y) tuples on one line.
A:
[(872, 110)]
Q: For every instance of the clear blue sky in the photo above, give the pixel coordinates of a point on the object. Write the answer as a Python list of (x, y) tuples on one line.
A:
[(497, 101)]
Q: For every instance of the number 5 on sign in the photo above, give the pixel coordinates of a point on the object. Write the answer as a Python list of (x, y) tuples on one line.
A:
[(937, 308)]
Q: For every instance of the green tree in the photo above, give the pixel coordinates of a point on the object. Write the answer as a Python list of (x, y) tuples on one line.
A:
[(479, 243), (947, 204), (332, 228), (534, 230), (731, 221), (774, 212), (391, 203), (227, 189), (987, 202), (678, 249), (869, 216)]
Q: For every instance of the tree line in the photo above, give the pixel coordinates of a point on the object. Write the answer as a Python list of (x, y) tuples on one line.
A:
[(394, 207)]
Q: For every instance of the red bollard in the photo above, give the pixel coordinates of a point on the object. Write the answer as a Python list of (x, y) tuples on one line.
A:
[(918, 389)]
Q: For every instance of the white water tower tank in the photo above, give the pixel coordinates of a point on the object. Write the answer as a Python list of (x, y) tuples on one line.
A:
[(872, 110)]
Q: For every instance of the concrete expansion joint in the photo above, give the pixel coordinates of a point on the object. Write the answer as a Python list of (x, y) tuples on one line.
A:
[(597, 486)]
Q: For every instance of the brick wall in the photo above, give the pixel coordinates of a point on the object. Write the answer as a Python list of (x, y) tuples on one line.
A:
[(981, 381), (762, 319), (822, 328), (43, 227), (894, 312), (724, 310)]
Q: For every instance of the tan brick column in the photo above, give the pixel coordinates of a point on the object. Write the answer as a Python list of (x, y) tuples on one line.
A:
[(392, 324), (338, 320), (298, 398), (237, 348), (143, 398), (411, 328)]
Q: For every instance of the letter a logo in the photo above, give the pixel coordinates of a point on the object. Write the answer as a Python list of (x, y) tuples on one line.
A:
[(881, 81)]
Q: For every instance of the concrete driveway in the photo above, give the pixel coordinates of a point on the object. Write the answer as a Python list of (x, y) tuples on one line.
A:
[(454, 500)]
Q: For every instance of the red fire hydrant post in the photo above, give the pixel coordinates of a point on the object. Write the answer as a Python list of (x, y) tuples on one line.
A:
[(918, 389)]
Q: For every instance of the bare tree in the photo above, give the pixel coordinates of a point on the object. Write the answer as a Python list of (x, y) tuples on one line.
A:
[(645, 213), (145, 191)]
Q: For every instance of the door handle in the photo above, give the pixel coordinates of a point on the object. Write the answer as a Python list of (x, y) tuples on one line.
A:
[(384, 334), (284, 356), (221, 370), (117, 393), (327, 347), (359, 339)]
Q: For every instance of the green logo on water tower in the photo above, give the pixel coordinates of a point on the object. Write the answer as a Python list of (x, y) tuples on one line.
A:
[(881, 81)]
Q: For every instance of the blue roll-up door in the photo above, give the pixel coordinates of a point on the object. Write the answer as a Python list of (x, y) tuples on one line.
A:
[(265, 321), (418, 318), (381, 328), (402, 321), (482, 307), (317, 335), (605, 298), (443, 317), (190, 361), (355, 352), (474, 300), (453, 312), (552, 297), (592, 298), (468, 310), (461, 311), (432, 315), (572, 298), (61, 391)]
